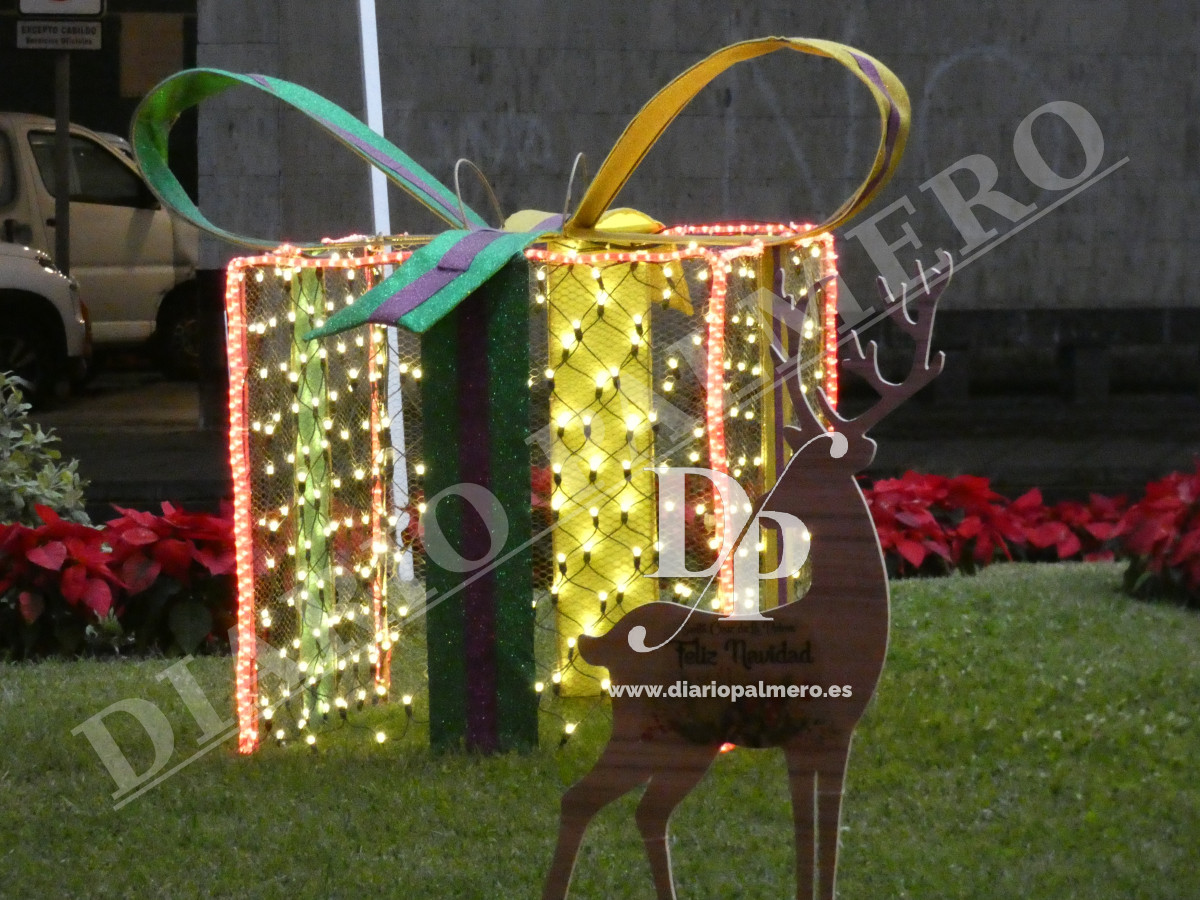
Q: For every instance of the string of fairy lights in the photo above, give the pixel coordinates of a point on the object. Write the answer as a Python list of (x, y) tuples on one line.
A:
[(640, 376), (311, 455), (652, 358)]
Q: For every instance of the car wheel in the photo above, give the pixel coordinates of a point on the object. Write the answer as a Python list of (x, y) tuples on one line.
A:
[(30, 353), (178, 338)]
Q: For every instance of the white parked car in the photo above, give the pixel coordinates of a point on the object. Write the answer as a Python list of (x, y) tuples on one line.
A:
[(45, 340), (135, 265)]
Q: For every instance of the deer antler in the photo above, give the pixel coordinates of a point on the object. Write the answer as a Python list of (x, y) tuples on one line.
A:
[(920, 329), (865, 364)]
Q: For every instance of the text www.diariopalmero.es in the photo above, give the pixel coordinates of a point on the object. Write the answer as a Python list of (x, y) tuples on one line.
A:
[(688, 690)]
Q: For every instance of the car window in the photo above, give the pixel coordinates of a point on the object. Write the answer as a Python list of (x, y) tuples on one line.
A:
[(97, 176), (42, 145), (8, 175)]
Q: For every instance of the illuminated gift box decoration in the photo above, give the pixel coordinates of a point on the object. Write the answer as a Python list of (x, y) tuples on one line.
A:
[(658, 340), (324, 542), (656, 357)]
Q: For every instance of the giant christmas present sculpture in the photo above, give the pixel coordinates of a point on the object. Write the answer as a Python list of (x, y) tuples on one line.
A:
[(684, 412)]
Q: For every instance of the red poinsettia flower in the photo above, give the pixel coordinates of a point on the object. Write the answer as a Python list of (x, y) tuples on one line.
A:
[(1042, 527), (902, 509), (78, 554), (1162, 530), (177, 544)]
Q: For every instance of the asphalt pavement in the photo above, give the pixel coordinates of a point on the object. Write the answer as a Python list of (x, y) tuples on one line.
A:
[(139, 440)]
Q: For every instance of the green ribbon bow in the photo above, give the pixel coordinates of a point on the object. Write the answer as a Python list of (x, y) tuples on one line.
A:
[(431, 283)]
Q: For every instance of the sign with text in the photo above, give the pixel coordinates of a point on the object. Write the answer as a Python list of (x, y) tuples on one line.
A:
[(41, 35), (62, 7)]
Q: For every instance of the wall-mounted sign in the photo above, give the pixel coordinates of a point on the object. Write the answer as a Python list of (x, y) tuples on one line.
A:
[(35, 34), (62, 7)]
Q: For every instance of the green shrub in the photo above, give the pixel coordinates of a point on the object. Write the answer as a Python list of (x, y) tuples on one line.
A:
[(31, 473)]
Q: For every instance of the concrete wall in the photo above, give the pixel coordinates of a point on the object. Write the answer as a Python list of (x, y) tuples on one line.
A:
[(520, 86)]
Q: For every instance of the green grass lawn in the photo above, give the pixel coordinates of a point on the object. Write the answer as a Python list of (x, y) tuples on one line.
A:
[(1034, 736)]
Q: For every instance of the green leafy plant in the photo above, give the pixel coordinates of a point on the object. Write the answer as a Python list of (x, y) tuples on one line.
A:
[(31, 471)]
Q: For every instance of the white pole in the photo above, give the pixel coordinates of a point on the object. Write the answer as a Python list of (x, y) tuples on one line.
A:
[(373, 94)]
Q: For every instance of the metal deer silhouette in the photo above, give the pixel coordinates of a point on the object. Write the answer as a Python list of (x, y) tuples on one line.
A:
[(836, 635)]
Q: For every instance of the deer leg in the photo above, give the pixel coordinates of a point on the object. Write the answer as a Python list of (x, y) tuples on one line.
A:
[(802, 779), (610, 778), (830, 781), (667, 787)]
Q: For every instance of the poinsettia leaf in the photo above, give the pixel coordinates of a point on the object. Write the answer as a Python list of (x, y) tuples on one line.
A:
[(31, 605), (47, 515), (1107, 506), (887, 534), (190, 622), (138, 536), (219, 562), (1187, 547), (1068, 545), (138, 572), (1070, 513), (1030, 501), (921, 518), (143, 519), (969, 492), (11, 534), (49, 556), (89, 552), (913, 552), (1147, 533), (938, 547), (174, 556), (969, 527), (1046, 535), (97, 596), (1103, 531), (73, 583)]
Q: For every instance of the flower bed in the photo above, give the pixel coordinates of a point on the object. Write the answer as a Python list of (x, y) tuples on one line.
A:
[(141, 581), (933, 524)]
